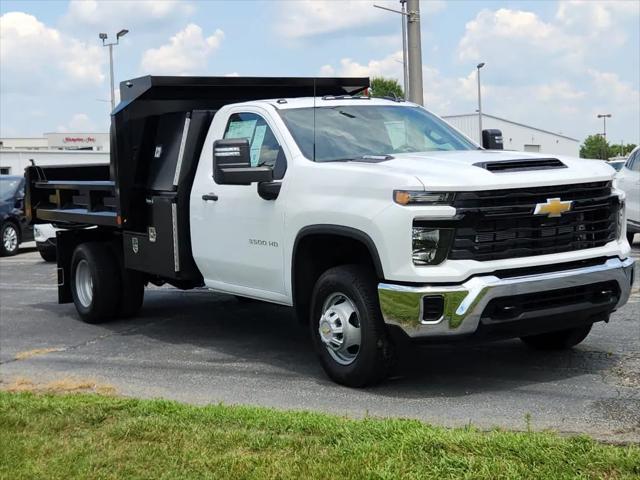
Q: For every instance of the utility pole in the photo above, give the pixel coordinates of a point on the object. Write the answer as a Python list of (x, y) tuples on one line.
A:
[(604, 117), (414, 50), (405, 64), (103, 37), (478, 67)]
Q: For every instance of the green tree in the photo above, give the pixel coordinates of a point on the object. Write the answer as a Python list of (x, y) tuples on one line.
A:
[(595, 146), (619, 150), (386, 87)]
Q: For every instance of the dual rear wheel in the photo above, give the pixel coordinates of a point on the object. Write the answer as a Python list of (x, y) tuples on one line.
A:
[(101, 287)]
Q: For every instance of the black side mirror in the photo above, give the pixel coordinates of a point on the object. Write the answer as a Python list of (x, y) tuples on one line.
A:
[(492, 139), (232, 164)]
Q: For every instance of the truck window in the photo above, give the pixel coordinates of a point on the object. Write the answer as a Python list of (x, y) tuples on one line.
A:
[(263, 144), (9, 188), (343, 132), (633, 163)]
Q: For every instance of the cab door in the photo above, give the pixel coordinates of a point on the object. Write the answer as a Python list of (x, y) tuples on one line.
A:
[(237, 236)]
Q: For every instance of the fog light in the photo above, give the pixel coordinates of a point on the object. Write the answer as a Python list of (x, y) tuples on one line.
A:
[(432, 308), (430, 245)]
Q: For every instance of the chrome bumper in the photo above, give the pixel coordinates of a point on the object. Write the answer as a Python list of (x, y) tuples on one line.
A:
[(463, 304)]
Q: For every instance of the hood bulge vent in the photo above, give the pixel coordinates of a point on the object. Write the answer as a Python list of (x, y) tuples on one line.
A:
[(521, 165)]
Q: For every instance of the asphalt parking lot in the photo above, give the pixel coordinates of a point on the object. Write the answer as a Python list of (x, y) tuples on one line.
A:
[(199, 347)]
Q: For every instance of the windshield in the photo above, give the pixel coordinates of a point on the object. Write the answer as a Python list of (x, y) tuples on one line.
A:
[(346, 132), (8, 187)]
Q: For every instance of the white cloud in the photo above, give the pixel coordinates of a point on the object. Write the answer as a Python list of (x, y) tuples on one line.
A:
[(117, 14), (522, 39), (327, 71), (306, 18), (598, 16), (510, 32), (80, 122), (389, 66), (187, 52), (619, 93), (33, 54)]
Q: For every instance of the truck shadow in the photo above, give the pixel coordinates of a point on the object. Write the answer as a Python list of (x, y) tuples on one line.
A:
[(258, 332)]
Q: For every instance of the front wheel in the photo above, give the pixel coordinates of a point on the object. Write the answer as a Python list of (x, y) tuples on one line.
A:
[(10, 239), (348, 332), (562, 340)]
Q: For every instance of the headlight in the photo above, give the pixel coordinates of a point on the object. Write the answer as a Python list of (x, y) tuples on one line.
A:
[(408, 197), (430, 245)]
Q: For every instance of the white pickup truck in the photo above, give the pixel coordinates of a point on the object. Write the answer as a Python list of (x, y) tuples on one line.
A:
[(376, 220)]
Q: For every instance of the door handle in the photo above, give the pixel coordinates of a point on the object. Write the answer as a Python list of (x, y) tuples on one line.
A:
[(210, 196)]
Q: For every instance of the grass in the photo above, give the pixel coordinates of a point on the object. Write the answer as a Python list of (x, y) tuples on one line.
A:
[(95, 436)]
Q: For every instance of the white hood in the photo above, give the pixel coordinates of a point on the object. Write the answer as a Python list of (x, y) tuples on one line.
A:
[(455, 170)]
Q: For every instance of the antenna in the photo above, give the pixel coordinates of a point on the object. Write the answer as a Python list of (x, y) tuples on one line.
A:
[(314, 119)]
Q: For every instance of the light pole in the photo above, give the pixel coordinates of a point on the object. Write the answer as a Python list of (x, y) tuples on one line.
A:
[(478, 67), (604, 117), (103, 37), (405, 71), (403, 16)]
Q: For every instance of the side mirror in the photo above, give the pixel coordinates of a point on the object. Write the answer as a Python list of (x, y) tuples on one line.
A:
[(492, 139), (232, 164)]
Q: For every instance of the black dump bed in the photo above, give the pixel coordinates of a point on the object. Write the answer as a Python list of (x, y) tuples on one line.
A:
[(157, 134)]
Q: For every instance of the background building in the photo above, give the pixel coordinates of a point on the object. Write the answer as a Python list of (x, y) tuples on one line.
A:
[(52, 149), (78, 148), (517, 136)]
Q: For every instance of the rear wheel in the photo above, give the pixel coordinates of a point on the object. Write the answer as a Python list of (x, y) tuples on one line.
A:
[(96, 285), (9, 239), (348, 332), (562, 340)]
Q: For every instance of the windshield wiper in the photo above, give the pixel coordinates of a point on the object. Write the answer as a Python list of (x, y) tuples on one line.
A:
[(363, 158)]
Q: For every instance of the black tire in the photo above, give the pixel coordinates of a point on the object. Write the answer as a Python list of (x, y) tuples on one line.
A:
[(48, 254), (106, 284), (562, 340), (8, 249), (376, 356), (630, 237), (132, 294)]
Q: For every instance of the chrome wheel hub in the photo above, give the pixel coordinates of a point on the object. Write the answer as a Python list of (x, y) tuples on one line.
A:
[(84, 283), (339, 328), (10, 238)]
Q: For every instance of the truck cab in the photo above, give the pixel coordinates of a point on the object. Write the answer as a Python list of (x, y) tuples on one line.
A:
[(374, 219)]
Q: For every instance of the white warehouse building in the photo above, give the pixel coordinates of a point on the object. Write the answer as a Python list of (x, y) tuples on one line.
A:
[(52, 149), (516, 136)]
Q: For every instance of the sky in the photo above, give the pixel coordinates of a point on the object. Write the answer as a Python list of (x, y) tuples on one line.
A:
[(550, 64)]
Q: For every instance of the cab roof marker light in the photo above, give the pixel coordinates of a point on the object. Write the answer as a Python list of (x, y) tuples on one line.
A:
[(416, 197)]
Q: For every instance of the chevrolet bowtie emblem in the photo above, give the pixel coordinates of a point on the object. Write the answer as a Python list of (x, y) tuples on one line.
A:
[(553, 207)]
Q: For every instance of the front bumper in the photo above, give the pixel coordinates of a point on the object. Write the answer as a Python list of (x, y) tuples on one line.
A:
[(464, 304)]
